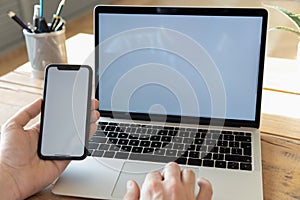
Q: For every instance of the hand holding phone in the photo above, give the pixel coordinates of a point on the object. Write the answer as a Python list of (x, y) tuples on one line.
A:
[(65, 116)]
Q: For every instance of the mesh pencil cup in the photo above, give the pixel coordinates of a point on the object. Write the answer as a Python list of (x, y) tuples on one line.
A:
[(45, 48)]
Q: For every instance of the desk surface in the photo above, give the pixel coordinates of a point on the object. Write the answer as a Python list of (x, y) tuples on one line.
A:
[(280, 123)]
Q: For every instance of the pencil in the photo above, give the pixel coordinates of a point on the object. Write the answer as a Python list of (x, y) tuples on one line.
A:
[(13, 15)]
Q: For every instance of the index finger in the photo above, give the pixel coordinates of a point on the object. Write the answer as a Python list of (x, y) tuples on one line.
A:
[(94, 104), (171, 171), (27, 113)]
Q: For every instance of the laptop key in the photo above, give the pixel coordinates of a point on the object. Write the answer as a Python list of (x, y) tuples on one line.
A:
[(208, 163), (193, 161), (222, 143), (102, 123), (93, 145), (228, 137), (237, 151), (245, 166), (171, 152), (137, 149), (166, 139), (191, 147), (233, 165), (123, 135), (177, 139), (145, 143), (97, 139), (172, 133), (97, 153), (194, 154), (162, 132), (103, 147), (206, 155), (109, 154), (148, 150), (155, 138), (112, 134), (178, 146), (183, 134), (246, 145), (110, 128), (126, 148), (220, 164), (218, 156), (122, 155), (243, 138), (238, 158), (159, 151), (234, 144), (112, 141), (123, 141), (114, 148), (188, 140), (156, 144), (199, 141), (152, 158), (211, 142), (182, 153), (181, 161), (134, 142), (144, 137), (247, 152)]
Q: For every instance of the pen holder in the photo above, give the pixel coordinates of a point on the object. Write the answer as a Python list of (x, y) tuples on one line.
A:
[(45, 48)]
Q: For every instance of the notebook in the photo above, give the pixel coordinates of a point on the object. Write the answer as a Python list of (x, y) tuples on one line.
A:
[(180, 84)]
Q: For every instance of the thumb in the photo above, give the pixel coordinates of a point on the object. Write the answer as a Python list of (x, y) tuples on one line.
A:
[(133, 191)]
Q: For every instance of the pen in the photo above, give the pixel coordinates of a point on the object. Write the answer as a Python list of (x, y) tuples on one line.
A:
[(60, 25), (55, 21), (13, 15), (41, 8), (43, 26), (32, 28), (36, 16), (56, 17), (60, 7)]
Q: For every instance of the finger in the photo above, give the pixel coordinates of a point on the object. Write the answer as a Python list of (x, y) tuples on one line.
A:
[(94, 116), (206, 190), (133, 191), (153, 177), (152, 186), (27, 113), (94, 104), (172, 171), (36, 127), (93, 129), (188, 179)]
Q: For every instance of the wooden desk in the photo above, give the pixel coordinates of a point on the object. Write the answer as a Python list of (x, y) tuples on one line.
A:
[(280, 124)]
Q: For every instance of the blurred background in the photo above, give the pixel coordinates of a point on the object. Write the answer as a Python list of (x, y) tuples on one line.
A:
[(79, 17)]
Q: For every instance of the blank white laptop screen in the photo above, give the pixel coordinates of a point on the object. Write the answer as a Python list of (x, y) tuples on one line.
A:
[(146, 69)]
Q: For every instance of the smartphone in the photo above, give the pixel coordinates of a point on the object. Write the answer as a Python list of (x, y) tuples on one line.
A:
[(65, 113)]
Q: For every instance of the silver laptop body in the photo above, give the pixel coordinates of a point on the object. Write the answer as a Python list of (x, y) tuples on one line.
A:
[(175, 84)]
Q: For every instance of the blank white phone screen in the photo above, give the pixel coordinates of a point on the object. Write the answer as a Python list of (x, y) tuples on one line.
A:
[(65, 112)]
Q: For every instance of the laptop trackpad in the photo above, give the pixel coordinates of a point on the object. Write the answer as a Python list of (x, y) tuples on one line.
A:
[(138, 171)]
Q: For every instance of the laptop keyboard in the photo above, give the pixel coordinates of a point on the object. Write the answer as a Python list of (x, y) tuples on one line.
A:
[(200, 147)]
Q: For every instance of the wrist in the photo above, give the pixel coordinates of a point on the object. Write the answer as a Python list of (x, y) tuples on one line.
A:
[(9, 188)]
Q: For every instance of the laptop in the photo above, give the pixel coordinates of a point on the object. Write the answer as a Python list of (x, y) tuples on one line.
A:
[(180, 84)]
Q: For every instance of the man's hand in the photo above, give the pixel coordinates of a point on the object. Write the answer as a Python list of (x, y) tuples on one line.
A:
[(19, 164), (172, 184)]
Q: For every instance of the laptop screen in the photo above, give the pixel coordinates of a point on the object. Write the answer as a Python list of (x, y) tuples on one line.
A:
[(192, 62)]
